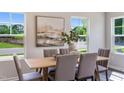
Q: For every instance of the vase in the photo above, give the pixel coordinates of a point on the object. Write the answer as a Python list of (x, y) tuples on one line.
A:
[(72, 47)]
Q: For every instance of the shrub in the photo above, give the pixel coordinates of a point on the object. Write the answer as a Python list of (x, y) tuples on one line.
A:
[(4, 29)]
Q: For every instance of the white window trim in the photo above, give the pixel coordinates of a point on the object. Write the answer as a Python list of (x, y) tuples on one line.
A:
[(12, 23), (16, 34), (113, 35), (88, 28)]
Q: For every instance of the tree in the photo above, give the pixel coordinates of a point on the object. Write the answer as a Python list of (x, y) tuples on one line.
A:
[(4, 29), (81, 30), (17, 29)]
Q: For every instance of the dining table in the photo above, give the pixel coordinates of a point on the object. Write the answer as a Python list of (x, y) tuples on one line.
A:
[(46, 62)]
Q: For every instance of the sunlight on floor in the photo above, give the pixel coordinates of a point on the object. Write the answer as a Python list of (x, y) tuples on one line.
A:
[(115, 76)]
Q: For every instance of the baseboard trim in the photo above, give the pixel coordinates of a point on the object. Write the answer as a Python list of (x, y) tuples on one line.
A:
[(116, 68)]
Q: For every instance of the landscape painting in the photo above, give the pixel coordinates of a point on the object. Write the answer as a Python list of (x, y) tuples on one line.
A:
[(49, 31)]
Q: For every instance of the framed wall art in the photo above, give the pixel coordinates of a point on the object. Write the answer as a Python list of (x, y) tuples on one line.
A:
[(48, 31)]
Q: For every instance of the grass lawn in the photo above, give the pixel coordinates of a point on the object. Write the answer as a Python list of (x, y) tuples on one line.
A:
[(82, 50), (8, 45), (117, 48)]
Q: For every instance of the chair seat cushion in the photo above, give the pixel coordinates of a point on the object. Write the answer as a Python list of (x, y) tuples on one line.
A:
[(32, 76), (52, 74), (51, 69), (102, 68)]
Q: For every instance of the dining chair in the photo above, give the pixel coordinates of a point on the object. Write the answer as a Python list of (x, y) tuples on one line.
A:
[(65, 68), (48, 53), (87, 65), (102, 66), (33, 76), (63, 51)]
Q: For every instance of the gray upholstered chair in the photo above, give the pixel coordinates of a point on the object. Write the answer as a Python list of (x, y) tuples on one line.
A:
[(87, 66), (65, 68), (64, 51), (33, 76), (50, 52), (102, 66)]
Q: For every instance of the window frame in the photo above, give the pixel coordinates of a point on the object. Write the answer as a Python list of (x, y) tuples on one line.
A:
[(88, 28), (113, 34), (12, 23)]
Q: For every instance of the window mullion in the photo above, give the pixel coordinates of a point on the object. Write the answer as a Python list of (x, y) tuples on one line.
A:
[(10, 23)]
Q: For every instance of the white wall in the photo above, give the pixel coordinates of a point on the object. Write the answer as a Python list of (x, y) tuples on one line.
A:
[(117, 60), (96, 40), (96, 27)]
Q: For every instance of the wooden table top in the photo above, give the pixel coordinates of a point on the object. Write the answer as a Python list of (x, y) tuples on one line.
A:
[(49, 62)]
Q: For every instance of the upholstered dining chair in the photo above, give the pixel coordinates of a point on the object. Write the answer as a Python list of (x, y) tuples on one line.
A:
[(63, 51), (33, 76), (49, 53), (87, 66), (102, 66), (65, 68)]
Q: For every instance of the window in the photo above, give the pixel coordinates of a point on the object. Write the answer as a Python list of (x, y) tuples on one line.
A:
[(118, 35), (11, 33), (80, 25)]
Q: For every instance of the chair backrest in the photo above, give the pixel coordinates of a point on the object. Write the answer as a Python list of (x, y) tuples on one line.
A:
[(87, 65), (65, 67), (64, 51), (50, 52), (18, 67), (104, 53)]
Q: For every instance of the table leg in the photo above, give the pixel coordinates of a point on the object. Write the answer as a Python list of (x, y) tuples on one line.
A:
[(37, 70), (97, 77), (45, 74)]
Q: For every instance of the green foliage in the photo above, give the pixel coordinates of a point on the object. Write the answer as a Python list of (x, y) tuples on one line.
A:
[(4, 29), (8, 45), (119, 22), (71, 37), (81, 30), (83, 50), (17, 29), (119, 49), (118, 30), (74, 34), (19, 37)]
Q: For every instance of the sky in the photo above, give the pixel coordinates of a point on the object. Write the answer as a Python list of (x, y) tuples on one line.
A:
[(16, 17), (19, 18), (76, 22)]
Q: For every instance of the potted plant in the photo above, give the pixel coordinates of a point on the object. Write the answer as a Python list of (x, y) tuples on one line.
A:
[(71, 38)]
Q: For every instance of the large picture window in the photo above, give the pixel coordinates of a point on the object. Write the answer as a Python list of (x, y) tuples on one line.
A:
[(80, 25), (11, 33), (118, 35)]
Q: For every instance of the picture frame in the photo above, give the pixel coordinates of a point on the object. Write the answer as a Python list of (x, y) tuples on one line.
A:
[(48, 31)]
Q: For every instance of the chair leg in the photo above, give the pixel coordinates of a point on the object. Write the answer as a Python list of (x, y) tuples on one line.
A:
[(106, 75), (45, 74), (40, 70), (84, 79), (92, 78), (97, 75)]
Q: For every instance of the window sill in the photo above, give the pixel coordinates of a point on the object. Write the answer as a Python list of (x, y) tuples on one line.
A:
[(116, 53), (10, 58)]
